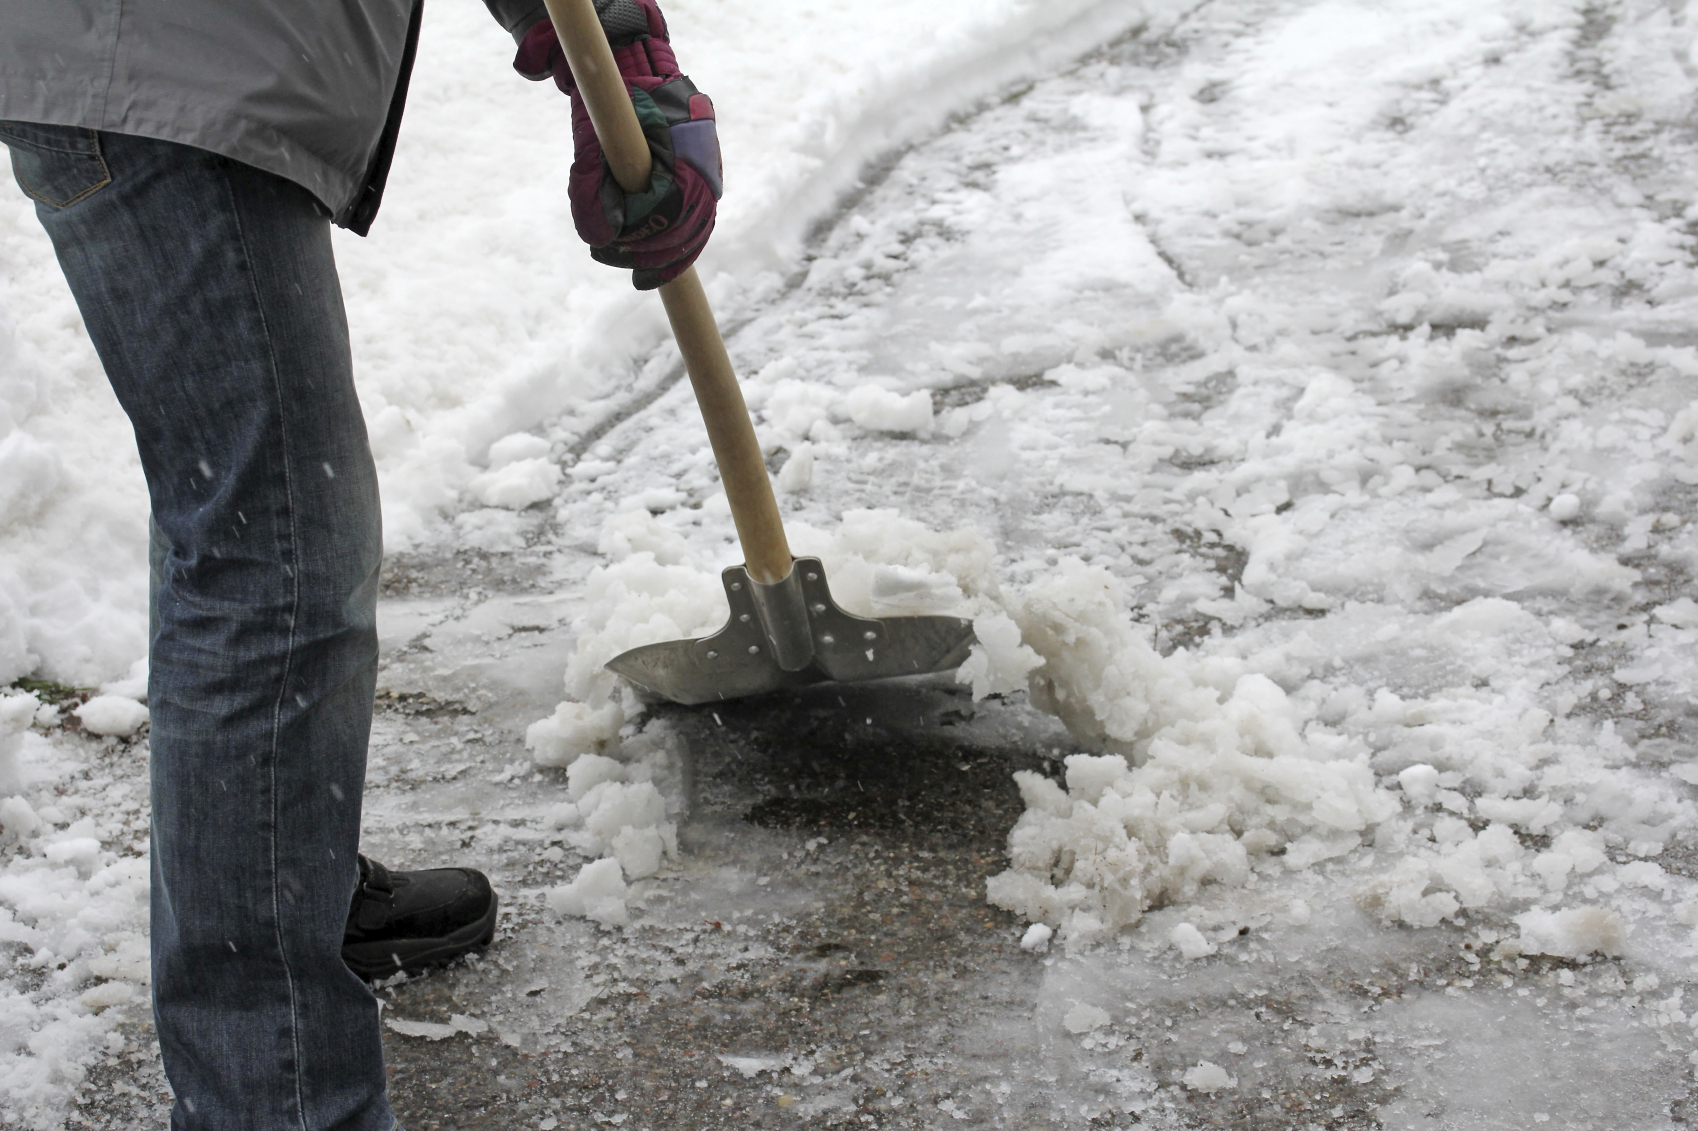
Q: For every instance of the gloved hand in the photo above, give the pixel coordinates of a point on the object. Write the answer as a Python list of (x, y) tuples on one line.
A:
[(655, 234)]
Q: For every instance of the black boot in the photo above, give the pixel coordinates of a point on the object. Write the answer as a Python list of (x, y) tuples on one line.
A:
[(413, 920)]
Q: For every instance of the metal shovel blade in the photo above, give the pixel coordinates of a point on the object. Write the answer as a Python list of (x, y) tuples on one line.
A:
[(790, 635)]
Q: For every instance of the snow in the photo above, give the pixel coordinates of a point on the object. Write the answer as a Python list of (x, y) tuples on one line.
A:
[(1209, 1077), (112, 715), (881, 410), (1332, 486), (1189, 941), (597, 893), (1085, 1018), (516, 485), (1573, 933), (574, 732)]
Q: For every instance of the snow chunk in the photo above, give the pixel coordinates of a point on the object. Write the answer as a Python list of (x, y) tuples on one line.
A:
[(636, 601), (16, 714), (999, 664), (573, 732), (1565, 507), (880, 410), (132, 686), (1084, 1018), (638, 532), (590, 771), (1572, 934), (1420, 783), (797, 474), (519, 446), (18, 819), (797, 410), (612, 807), (1036, 938), (1681, 614), (1209, 1077), (517, 485), (597, 893), (1191, 943), (112, 715), (627, 819), (640, 849), (918, 590)]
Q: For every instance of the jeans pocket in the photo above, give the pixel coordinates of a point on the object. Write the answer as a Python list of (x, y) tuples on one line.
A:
[(56, 165)]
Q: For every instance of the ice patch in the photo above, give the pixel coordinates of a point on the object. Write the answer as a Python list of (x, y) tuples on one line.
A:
[(752, 1066), (433, 1031)]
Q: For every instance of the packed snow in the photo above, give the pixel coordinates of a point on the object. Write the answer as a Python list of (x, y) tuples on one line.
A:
[(1299, 398)]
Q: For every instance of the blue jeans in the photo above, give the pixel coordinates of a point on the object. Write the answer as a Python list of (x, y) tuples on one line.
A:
[(210, 291)]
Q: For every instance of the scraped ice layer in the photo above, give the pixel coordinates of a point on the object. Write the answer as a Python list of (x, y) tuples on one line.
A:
[(622, 808), (1261, 753)]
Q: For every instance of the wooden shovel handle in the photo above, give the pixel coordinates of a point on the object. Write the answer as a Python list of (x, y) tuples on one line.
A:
[(742, 468)]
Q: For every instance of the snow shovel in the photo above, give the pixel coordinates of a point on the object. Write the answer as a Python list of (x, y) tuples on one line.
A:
[(785, 630)]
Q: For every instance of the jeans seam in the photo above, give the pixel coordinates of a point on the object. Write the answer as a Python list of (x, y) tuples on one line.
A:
[(289, 653)]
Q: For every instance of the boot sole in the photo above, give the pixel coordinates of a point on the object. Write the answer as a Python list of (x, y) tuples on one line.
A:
[(375, 960)]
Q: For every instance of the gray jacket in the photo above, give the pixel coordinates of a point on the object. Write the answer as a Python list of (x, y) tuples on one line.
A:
[(311, 90)]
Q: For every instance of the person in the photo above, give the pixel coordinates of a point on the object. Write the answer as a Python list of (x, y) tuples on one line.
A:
[(187, 159)]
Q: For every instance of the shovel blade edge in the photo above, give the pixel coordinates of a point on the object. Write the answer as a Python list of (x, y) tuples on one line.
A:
[(738, 660)]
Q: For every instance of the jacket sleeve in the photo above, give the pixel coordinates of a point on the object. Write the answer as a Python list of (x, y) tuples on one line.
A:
[(517, 16)]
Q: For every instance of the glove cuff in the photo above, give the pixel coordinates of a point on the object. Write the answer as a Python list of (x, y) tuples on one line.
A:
[(538, 51)]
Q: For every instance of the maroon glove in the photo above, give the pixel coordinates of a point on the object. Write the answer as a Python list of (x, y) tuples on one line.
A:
[(656, 234)]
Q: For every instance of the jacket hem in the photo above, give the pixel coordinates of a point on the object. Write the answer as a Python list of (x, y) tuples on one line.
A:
[(239, 138)]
